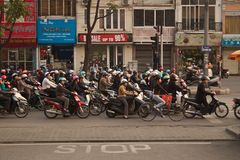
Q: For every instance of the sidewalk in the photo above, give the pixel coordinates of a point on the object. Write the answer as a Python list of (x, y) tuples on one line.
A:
[(113, 134)]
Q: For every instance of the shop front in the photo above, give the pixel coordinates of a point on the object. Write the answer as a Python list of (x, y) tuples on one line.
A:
[(107, 50), (20, 51), (230, 43), (190, 47), (56, 43)]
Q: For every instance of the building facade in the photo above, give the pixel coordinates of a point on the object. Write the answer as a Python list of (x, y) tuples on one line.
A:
[(111, 37), (189, 38), (20, 52), (56, 33), (147, 15), (231, 33)]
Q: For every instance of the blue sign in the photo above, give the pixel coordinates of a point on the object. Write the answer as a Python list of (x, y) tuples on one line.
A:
[(231, 43), (231, 40), (59, 31)]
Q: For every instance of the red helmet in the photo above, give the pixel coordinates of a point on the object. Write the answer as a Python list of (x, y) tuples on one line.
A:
[(4, 77), (75, 77), (3, 71)]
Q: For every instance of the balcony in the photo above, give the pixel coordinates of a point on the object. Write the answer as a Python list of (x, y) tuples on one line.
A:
[(143, 34), (199, 27)]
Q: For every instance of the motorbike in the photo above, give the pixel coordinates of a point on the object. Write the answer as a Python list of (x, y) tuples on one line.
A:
[(192, 109), (236, 107), (115, 107), (36, 100), (19, 104), (54, 107)]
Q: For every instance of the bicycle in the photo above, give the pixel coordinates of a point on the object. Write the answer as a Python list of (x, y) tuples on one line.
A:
[(148, 112)]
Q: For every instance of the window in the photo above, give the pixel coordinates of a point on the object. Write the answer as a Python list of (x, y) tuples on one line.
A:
[(138, 17), (101, 20), (193, 12), (160, 17), (154, 17), (85, 16), (114, 20), (149, 17), (170, 18), (122, 18), (232, 24), (57, 7)]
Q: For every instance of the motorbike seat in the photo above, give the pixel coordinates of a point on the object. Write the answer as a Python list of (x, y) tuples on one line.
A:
[(54, 99), (237, 100)]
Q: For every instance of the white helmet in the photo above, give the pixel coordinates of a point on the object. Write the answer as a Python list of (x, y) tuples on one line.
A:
[(24, 76), (46, 74), (124, 81)]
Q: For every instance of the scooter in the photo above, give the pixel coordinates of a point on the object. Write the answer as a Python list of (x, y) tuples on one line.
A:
[(54, 107), (36, 100), (115, 107), (192, 109), (18, 103), (236, 107)]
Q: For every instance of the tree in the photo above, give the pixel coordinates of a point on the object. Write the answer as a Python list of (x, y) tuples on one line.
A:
[(90, 26), (11, 11)]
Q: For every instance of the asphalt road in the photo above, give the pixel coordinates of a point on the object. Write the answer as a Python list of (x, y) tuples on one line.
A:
[(135, 151)]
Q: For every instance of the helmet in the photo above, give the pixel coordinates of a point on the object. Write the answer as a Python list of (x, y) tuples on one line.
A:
[(205, 78), (173, 77), (104, 73), (143, 82), (62, 79), (24, 76), (71, 71), (14, 75), (82, 73), (124, 81), (56, 72), (166, 76), (3, 71), (75, 77), (168, 71), (4, 77), (46, 74)]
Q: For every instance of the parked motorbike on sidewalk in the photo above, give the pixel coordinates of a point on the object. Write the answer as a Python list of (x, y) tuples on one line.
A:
[(54, 107), (192, 109), (18, 104), (236, 107)]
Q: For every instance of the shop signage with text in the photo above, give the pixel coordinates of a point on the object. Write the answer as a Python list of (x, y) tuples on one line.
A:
[(108, 37), (58, 31)]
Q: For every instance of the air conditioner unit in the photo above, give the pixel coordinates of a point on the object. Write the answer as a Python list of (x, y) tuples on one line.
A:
[(125, 2), (84, 2)]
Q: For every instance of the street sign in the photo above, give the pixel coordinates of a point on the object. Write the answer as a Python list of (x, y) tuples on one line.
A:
[(206, 49)]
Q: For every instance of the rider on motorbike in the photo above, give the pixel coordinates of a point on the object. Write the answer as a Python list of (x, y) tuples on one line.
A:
[(60, 94), (4, 97), (104, 83), (124, 94), (202, 93), (48, 84)]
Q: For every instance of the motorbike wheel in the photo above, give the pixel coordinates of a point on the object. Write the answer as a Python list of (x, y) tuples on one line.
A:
[(83, 111), (189, 111), (110, 114), (95, 108), (40, 105), (221, 111), (47, 114), (21, 111), (146, 112), (237, 112), (175, 113)]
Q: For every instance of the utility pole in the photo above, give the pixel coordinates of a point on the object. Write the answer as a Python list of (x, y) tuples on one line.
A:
[(155, 46), (161, 34), (206, 28)]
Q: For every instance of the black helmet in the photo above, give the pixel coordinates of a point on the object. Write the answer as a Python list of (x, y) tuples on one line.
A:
[(205, 78)]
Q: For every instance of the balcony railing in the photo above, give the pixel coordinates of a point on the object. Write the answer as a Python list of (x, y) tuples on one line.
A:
[(216, 26)]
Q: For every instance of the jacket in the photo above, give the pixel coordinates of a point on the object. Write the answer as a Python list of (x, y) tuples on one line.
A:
[(48, 84), (104, 84), (201, 94), (61, 90), (122, 91)]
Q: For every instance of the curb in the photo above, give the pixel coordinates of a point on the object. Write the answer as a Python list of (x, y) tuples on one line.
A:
[(234, 130)]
